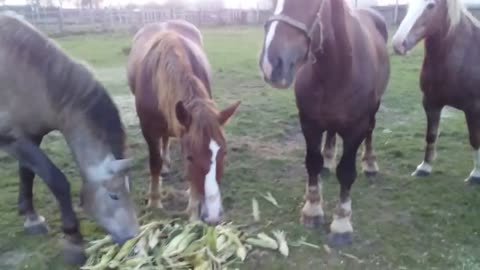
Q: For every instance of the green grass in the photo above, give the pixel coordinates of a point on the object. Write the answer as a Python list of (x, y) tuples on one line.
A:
[(400, 222)]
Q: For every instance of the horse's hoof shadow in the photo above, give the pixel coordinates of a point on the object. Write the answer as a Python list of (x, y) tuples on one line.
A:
[(340, 239), (420, 173)]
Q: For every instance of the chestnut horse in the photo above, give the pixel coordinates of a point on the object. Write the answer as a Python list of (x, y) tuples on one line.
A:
[(169, 75), (41, 90), (340, 60), (450, 74)]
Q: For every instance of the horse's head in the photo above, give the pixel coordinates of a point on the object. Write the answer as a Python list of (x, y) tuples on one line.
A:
[(423, 18), (288, 37), (105, 197), (204, 149)]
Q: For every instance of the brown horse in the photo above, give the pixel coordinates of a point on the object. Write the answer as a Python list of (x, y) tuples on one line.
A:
[(450, 74), (339, 58), (45, 91), (169, 75)]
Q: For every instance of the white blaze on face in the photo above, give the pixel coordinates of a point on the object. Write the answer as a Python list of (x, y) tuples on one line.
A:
[(267, 67), (213, 200), (415, 10)]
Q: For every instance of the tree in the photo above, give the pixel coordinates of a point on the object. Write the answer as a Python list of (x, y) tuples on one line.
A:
[(91, 3)]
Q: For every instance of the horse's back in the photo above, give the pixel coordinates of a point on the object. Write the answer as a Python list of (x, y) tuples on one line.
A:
[(378, 20), (191, 37), (23, 47)]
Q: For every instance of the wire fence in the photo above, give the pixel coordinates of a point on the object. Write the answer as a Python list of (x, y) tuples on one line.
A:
[(73, 21)]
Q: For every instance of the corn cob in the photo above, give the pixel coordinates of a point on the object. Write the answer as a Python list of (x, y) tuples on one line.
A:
[(262, 243), (282, 242), (268, 240)]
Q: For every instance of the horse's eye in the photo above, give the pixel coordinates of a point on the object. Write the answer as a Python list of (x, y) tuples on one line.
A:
[(113, 196), (430, 5), (190, 158)]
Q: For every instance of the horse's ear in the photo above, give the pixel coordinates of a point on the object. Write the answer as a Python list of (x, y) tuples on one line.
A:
[(228, 112), (183, 115)]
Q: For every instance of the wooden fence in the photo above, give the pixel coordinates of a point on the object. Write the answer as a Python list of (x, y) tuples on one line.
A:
[(70, 21)]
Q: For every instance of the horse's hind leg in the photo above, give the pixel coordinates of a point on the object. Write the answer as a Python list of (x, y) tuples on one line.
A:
[(329, 153), (433, 121), (473, 122), (34, 224), (369, 160), (155, 160), (341, 230), (312, 212), (166, 156)]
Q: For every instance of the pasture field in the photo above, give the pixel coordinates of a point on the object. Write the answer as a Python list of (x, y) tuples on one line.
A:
[(400, 222)]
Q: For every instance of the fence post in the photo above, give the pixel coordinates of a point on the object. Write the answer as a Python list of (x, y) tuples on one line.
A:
[(60, 20)]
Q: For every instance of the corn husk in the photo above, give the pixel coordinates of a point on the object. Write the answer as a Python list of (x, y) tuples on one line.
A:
[(178, 245)]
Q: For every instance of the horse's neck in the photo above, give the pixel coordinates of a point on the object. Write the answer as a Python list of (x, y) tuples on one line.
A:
[(336, 48), (88, 150), (440, 44)]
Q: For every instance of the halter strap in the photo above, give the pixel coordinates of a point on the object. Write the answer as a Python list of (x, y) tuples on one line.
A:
[(307, 31)]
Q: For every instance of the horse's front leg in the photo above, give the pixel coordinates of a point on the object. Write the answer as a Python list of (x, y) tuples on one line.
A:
[(341, 230), (433, 113), (155, 162), (30, 156), (473, 122), (329, 153), (34, 223), (369, 160), (312, 212), (166, 165)]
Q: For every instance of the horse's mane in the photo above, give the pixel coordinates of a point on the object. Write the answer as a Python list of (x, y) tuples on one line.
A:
[(70, 86), (455, 10), (169, 56)]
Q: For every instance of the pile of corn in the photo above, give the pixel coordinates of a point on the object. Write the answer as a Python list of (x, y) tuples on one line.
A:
[(174, 245)]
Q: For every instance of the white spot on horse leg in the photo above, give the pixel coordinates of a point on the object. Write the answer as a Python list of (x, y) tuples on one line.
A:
[(423, 167), (154, 191), (213, 200), (476, 161), (314, 201), (415, 10), (267, 67), (193, 205), (341, 219)]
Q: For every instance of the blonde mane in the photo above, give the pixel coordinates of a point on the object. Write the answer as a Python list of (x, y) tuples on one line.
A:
[(174, 80), (455, 10)]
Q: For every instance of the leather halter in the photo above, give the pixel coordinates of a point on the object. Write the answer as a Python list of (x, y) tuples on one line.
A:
[(307, 31)]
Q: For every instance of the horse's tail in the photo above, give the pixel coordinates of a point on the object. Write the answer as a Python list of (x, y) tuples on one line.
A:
[(379, 21)]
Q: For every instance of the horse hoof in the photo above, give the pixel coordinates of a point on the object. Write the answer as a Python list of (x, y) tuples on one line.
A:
[(35, 226), (370, 174), (314, 222), (420, 173), (325, 172), (340, 239), (156, 204), (473, 180), (74, 254)]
